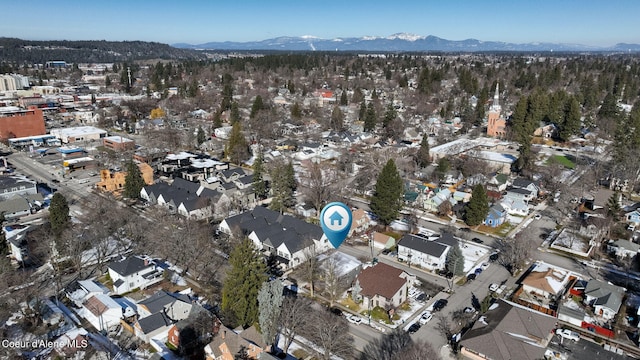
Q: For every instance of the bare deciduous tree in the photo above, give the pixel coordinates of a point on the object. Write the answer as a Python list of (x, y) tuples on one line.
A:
[(515, 251), (293, 318), (334, 284), (330, 334), (317, 185)]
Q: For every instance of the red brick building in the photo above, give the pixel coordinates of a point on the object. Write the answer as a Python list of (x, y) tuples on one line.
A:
[(118, 143), (21, 123)]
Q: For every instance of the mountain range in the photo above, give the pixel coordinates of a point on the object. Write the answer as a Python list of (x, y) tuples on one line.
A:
[(400, 42)]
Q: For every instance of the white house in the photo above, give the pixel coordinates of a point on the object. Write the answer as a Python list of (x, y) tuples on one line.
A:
[(101, 311), (428, 254), (623, 248), (133, 273), (515, 206)]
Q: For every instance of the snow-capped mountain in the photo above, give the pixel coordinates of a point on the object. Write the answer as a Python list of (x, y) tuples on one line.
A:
[(397, 42)]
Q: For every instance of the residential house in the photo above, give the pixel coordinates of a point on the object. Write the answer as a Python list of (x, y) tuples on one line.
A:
[(546, 281), (16, 185), (605, 298), (633, 217), (79, 291), (186, 198), (433, 203), (515, 206), (506, 332), (227, 344), (383, 286), (382, 241), (426, 253), (101, 311), (546, 131), (525, 195), (159, 313), (498, 182), (290, 239), (359, 222), (133, 273), (497, 216), (622, 248), (522, 183), (182, 335), (20, 205)]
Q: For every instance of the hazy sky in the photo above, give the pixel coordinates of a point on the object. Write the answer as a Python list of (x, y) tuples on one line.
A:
[(587, 22)]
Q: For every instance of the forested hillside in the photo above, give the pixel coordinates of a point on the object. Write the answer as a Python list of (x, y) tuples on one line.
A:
[(25, 51)]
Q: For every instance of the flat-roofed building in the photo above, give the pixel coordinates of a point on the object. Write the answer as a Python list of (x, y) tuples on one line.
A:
[(79, 133), (118, 143)]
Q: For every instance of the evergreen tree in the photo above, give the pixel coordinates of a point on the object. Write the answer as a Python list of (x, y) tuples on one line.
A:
[(270, 298), (200, 136), (257, 106), (217, 119), (387, 201), (613, 206), (283, 186), (455, 261), (234, 113), (571, 123), (237, 149), (477, 207), (58, 214), (133, 181), (337, 119), (259, 184), (107, 81), (296, 111), (370, 118), (362, 113), (246, 274), (343, 99), (423, 159), (389, 115)]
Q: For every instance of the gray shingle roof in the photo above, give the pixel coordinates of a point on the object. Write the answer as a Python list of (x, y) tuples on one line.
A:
[(128, 266), (422, 245), (154, 322)]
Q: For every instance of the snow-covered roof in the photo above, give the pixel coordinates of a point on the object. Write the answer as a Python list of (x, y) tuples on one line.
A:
[(180, 156), (205, 163)]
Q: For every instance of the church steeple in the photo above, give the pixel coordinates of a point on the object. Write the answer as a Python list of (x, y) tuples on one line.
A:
[(496, 97)]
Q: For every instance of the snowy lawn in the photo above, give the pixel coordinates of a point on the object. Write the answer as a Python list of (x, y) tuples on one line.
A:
[(472, 255)]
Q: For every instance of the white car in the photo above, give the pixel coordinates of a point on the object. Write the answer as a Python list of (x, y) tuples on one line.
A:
[(426, 317), (538, 217), (494, 287), (354, 319), (568, 334)]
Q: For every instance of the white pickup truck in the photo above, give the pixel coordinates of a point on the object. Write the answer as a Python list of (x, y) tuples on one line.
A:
[(568, 334)]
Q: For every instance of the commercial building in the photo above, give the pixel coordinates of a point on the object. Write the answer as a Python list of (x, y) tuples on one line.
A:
[(118, 143), (17, 122), (78, 134)]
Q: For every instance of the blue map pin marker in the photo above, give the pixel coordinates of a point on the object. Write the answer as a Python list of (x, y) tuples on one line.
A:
[(335, 220)]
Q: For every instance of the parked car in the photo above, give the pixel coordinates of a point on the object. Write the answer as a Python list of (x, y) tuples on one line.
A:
[(568, 334), (354, 319), (440, 304), (422, 297), (413, 328), (484, 266), (336, 311), (471, 277), (426, 317), (478, 271), (538, 217), (477, 240), (493, 256), (469, 310), (494, 287)]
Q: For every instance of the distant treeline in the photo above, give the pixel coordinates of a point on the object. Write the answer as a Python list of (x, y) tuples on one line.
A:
[(25, 51)]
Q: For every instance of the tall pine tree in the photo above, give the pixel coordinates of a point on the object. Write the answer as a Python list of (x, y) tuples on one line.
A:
[(423, 159), (245, 277), (133, 181), (387, 201), (259, 184), (370, 118), (58, 214), (237, 149), (477, 207)]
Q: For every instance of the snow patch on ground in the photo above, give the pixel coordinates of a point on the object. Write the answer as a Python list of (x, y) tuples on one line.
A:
[(472, 254)]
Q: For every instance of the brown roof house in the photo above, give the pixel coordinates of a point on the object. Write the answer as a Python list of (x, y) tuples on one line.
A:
[(382, 286), (546, 281), (508, 331), (382, 241), (359, 222), (227, 344)]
